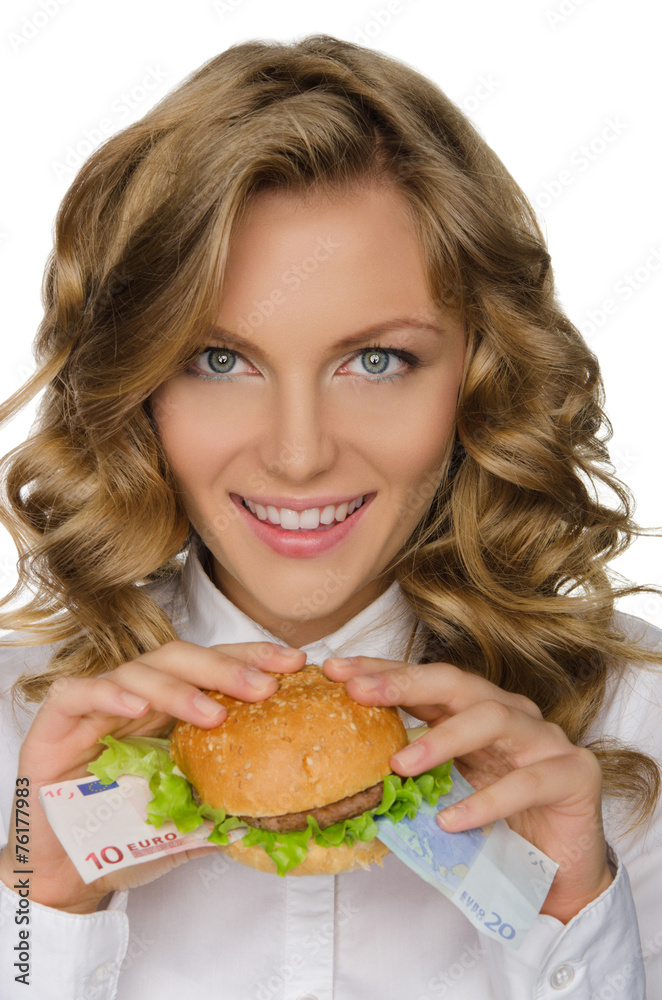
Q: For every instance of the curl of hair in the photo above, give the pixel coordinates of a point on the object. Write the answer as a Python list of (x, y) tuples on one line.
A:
[(506, 569)]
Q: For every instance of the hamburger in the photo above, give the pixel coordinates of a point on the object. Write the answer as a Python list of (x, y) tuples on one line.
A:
[(305, 771)]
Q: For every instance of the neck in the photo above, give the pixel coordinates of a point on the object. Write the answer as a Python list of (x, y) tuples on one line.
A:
[(296, 633)]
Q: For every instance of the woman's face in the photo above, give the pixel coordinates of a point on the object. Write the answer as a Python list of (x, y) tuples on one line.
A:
[(332, 376)]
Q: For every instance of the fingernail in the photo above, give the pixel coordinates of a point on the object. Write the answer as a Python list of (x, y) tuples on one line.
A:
[(448, 816), (133, 701), (257, 680), (207, 706), (368, 682), (410, 756), (288, 651), (341, 662)]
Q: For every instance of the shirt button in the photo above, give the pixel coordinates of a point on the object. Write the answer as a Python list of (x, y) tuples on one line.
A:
[(562, 976), (307, 996), (101, 974)]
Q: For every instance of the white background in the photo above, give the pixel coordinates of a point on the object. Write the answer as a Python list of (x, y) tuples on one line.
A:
[(540, 78)]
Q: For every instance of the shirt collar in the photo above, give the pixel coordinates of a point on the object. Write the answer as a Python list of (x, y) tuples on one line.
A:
[(382, 629)]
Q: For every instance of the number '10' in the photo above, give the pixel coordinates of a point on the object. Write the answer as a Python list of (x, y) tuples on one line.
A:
[(105, 855)]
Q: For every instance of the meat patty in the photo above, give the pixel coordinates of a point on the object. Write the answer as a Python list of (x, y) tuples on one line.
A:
[(352, 805)]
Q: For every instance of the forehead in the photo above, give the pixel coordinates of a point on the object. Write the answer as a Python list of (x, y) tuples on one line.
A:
[(338, 260)]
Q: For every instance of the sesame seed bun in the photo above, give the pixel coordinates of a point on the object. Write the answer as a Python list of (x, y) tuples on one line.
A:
[(305, 746)]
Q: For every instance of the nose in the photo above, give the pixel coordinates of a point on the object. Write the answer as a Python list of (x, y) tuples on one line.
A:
[(299, 442)]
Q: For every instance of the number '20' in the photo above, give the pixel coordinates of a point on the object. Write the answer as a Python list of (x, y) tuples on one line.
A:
[(505, 930)]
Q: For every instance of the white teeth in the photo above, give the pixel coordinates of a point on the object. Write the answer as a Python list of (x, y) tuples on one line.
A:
[(328, 514), (289, 519), (307, 520), (341, 512), (310, 519), (273, 514)]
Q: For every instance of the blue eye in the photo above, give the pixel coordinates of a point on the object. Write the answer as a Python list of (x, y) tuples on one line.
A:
[(220, 361), (375, 361), (215, 363)]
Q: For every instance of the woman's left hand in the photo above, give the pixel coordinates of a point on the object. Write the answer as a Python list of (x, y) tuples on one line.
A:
[(524, 769)]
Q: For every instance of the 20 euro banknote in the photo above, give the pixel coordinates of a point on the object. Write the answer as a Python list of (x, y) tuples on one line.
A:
[(495, 877)]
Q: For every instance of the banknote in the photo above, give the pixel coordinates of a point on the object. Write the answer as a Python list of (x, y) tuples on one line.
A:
[(496, 878), (104, 827)]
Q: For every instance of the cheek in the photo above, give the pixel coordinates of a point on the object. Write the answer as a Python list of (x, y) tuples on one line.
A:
[(420, 448), (192, 436), (420, 437)]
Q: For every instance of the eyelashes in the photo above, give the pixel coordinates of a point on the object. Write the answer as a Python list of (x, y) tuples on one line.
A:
[(219, 364)]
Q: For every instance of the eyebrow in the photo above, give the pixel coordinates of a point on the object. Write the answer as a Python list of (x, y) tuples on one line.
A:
[(367, 333)]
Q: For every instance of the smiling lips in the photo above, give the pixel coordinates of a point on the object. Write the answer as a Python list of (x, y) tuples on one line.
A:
[(302, 534), (310, 519)]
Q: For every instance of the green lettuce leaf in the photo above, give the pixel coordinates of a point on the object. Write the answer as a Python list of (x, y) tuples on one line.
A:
[(172, 799), (400, 798)]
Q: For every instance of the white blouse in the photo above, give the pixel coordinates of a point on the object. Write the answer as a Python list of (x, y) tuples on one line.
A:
[(213, 928)]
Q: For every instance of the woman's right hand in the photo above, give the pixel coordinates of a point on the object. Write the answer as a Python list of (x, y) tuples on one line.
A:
[(140, 698)]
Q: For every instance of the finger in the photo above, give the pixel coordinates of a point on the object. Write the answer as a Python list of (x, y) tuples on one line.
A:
[(181, 657), (207, 667), (342, 668), (516, 737), (438, 684), (70, 698), (265, 655), (570, 782), (181, 698)]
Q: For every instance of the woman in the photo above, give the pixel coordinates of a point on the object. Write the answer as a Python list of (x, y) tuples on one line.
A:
[(303, 291)]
